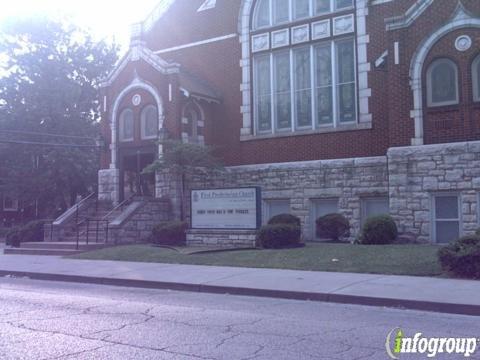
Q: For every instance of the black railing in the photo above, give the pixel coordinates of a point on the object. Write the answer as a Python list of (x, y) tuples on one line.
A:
[(120, 206), (95, 229)]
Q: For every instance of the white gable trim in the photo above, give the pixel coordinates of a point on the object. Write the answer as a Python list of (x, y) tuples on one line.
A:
[(461, 19), (405, 20), (140, 52)]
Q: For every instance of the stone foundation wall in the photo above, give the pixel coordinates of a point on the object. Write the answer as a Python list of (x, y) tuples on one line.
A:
[(136, 225), (222, 238), (417, 173), (409, 176), (348, 180)]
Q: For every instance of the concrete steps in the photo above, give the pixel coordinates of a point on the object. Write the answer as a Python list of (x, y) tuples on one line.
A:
[(52, 248)]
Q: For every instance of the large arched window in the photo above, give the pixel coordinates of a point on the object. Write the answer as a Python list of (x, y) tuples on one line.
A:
[(149, 122), (275, 12), (304, 75), (476, 78), (442, 83), (126, 125)]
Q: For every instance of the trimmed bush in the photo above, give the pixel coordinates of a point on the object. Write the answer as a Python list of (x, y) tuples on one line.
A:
[(170, 233), (284, 219), (31, 232), (333, 227), (462, 257), (278, 236), (378, 230)]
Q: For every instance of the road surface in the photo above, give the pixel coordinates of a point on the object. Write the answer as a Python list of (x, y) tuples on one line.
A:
[(53, 320)]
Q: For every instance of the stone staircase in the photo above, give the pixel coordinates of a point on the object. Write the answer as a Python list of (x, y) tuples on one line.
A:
[(97, 224)]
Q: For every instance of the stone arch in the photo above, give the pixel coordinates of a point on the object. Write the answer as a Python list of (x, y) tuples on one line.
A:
[(460, 19), (137, 83)]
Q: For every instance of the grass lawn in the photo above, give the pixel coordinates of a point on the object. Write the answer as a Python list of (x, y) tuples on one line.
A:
[(418, 260)]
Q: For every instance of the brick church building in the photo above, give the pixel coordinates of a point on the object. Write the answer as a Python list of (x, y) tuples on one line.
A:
[(353, 106)]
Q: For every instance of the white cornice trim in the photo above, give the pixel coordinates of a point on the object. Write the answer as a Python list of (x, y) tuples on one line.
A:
[(197, 43), (137, 52), (405, 20)]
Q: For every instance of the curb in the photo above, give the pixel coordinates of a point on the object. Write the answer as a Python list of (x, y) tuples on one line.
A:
[(448, 308)]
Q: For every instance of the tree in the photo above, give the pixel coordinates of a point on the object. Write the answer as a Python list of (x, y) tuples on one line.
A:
[(183, 160), (50, 73)]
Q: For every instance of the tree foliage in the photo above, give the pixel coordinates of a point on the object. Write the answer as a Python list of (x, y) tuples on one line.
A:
[(183, 160), (50, 72)]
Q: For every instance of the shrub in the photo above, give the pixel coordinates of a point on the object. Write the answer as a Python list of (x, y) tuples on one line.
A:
[(31, 232), (462, 257), (278, 236), (287, 219), (170, 233), (378, 230), (333, 227)]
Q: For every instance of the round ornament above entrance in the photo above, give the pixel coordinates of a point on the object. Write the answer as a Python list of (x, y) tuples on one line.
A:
[(136, 99), (463, 43)]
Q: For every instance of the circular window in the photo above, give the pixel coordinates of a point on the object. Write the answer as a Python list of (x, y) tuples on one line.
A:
[(136, 99), (463, 43)]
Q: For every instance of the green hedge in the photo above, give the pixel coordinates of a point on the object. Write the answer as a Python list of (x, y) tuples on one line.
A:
[(279, 236), (31, 232), (462, 257), (333, 227), (378, 230), (170, 233), (288, 219)]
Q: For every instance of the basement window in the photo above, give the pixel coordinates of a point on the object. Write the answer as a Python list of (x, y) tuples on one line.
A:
[(446, 218), (374, 206), (208, 4), (276, 207)]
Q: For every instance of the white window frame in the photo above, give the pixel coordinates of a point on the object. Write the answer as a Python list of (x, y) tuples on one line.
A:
[(314, 216), (291, 17), (337, 123), (121, 123), (429, 79), (143, 123), (363, 206), (475, 79), (266, 206), (434, 219), (15, 203)]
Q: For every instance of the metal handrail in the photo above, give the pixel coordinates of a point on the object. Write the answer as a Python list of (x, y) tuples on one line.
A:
[(97, 230), (119, 206)]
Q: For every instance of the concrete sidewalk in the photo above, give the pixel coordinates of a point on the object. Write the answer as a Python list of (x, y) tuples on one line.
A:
[(422, 293)]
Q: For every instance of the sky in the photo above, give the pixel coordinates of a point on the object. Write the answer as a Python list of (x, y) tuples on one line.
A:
[(105, 18)]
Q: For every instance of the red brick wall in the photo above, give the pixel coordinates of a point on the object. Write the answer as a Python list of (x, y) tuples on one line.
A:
[(390, 103)]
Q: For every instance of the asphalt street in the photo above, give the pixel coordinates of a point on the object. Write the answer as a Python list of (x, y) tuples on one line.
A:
[(52, 320)]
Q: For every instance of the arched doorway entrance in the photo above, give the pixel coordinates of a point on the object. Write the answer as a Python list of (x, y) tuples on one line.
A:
[(137, 134)]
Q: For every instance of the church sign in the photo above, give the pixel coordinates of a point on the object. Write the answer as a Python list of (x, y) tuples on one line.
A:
[(234, 208)]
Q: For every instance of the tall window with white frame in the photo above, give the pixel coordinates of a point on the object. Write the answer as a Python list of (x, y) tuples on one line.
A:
[(305, 81)]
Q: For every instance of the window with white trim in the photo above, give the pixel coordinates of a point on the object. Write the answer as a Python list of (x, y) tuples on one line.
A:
[(322, 207), (442, 83), (10, 204), (373, 206), (192, 118), (288, 98), (126, 124), (275, 12), (275, 207), (446, 218), (476, 78), (149, 122)]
